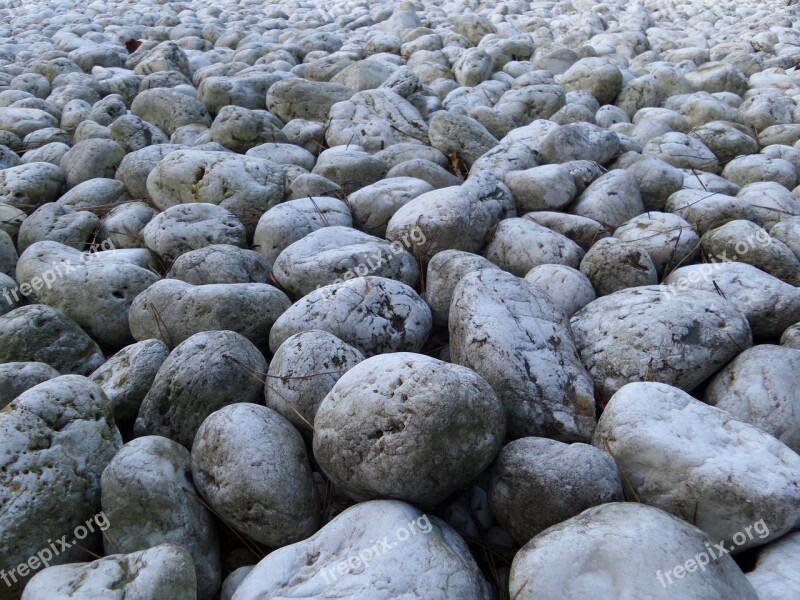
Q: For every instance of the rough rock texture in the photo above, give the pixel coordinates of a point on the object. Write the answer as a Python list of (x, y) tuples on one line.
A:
[(57, 438), (164, 571), (206, 372), (654, 333), (760, 387), (516, 338), (372, 314), (164, 510)]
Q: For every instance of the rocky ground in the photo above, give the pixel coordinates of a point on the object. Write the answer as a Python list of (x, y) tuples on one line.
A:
[(436, 300)]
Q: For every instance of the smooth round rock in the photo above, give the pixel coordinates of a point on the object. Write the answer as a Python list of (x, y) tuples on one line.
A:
[(679, 337), (186, 227), (728, 475), (39, 333), (537, 483), (172, 310), (760, 387), (273, 499), (126, 377), (431, 428), (621, 548)]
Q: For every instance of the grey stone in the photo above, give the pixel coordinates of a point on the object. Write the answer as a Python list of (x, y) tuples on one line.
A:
[(516, 338), (206, 372), (431, 428), (274, 501)]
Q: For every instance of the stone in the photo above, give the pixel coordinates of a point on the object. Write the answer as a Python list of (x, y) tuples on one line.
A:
[(460, 135), (769, 304), (57, 223), (610, 200), (221, 263), (744, 241), (336, 253), (273, 500), (598, 76), (185, 227), (675, 336), (451, 573), (93, 289), (580, 141), (775, 573), (122, 226), (473, 67), (290, 221), (581, 230), (568, 288), (374, 205), (669, 240), (22, 121), (29, 185), (759, 387), (201, 375), (240, 129), (98, 194), (549, 187), (39, 333), (375, 119), (91, 158), (703, 209), (444, 417), (726, 477), (244, 185), (516, 338), (445, 270), (164, 510), (18, 377), (518, 245), (57, 437), (169, 109), (725, 140), (771, 203), (162, 571), (625, 547), (372, 314), (458, 218), (126, 377), (173, 311), (612, 265), (538, 483), (303, 370), (350, 168), (297, 98), (682, 151), (283, 154)]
